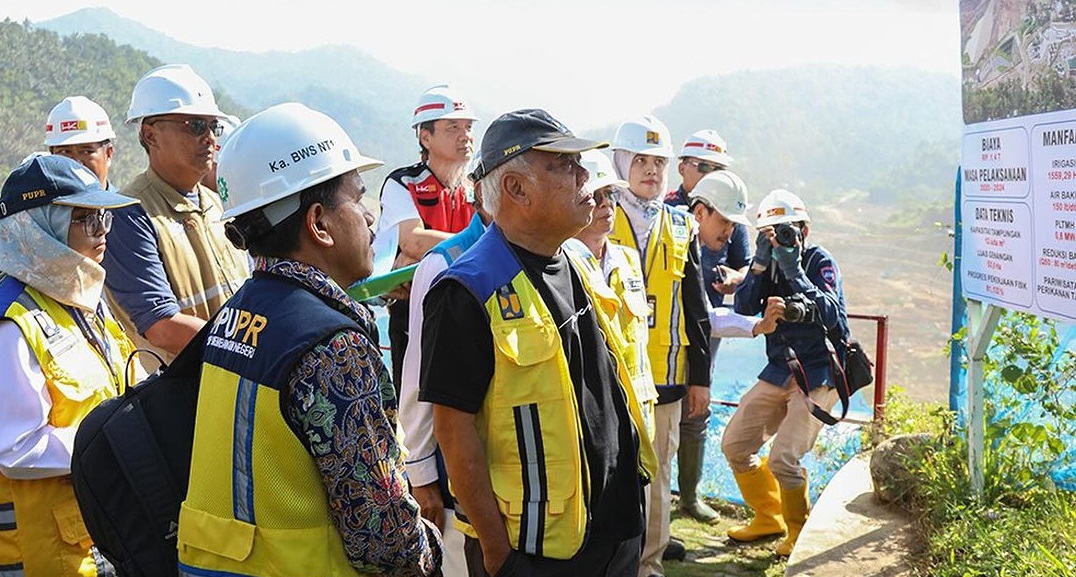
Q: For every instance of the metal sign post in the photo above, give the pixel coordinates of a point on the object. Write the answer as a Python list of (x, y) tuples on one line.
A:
[(982, 321)]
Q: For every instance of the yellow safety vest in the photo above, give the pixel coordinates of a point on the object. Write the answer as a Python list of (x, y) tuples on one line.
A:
[(626, 280), (202, 267), (529, 422), (256, 504), (41, 527), (666, 254)]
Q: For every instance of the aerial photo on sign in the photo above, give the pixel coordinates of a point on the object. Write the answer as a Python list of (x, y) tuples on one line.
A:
[(1018, 56)]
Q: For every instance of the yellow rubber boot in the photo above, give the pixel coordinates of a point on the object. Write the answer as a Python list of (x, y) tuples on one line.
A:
[(795, 504), (761, 494)]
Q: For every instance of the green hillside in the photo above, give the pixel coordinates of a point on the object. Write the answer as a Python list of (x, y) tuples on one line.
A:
[(825, 131), (371, 100), (40, 68), (889, 136)]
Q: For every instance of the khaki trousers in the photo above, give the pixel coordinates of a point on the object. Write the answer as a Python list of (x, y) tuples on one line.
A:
[(659, 494), (779, 412)]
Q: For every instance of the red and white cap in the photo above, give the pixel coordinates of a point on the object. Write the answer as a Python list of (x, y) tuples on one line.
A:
[(707, 145), (441, 102), (77, 120)]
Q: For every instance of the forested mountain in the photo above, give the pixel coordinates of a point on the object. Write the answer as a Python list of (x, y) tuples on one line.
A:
[(827, 132), (38, 69), (371, 100)]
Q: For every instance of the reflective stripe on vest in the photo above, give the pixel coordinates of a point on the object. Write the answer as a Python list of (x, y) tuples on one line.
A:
[(663, 271), (7, 516), (256, 495), (529, 421)]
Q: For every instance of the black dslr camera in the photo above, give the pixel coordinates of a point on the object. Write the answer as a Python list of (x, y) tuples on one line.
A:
[(799, 309), (787, 234)]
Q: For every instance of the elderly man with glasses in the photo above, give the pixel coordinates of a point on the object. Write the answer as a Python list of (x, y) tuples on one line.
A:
[(171, 267), (533, 406)]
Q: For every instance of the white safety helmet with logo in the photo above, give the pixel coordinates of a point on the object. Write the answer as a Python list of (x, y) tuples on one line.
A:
[(600, 170), (441, 102), (644, 135), (781, 206), (77, 120), (707, 145), (725, 192), (172, 89), (276, 154)]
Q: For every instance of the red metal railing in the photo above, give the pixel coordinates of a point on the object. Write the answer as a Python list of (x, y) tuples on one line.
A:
[(881, 344)]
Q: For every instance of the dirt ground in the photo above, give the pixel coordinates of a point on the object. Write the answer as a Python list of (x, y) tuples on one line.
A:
[(895, 272)]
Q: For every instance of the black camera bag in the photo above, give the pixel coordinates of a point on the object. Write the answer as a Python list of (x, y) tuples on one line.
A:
[(858, 367), (131, 464), (855, 372)]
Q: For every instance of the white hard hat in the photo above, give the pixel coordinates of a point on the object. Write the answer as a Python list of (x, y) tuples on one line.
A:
[(77, 120), (725, 192), (707, 145), (644, 135), (441, 102), (781, 206), (172, 89), (600, 169), (278, 152)]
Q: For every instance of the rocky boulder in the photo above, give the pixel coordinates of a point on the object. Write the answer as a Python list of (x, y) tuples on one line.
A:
[(891, 465)]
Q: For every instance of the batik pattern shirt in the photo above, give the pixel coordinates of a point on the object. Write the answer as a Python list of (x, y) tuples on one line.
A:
[(341, 403)]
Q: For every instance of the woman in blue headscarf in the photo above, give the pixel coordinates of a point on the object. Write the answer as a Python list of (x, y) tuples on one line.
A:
[(61, 354)]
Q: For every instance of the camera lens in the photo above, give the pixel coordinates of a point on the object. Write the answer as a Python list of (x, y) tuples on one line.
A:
[(798, 309), (794, 312), (786, 234)]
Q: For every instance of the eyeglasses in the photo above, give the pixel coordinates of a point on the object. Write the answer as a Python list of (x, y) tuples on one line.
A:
[(703, 167), (610, 193), (196, 126), (95, 222)]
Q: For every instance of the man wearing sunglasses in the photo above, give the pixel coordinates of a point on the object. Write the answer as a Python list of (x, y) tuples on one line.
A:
[(723, 269), (171, 267)]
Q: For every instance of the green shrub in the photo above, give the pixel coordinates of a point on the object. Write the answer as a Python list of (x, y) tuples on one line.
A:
[(1021, 524)]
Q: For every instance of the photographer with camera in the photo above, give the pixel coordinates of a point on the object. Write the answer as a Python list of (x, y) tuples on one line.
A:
[(808, 278)]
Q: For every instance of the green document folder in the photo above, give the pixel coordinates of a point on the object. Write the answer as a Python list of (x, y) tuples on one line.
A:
[(378, 285)]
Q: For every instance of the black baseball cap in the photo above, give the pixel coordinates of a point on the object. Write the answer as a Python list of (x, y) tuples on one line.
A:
[(514, 133), (55, 179)]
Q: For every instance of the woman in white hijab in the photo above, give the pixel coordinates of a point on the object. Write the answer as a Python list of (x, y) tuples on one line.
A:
[(679, 338), (61, 354)]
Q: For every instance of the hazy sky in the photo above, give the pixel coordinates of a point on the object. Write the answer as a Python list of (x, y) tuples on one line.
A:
[(590, 62)]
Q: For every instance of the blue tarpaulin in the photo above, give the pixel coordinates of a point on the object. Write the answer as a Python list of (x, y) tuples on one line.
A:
[(735, 370)]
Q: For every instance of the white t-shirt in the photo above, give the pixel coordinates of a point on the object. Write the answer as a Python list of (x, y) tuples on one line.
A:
[(416, 417), (396, 207)]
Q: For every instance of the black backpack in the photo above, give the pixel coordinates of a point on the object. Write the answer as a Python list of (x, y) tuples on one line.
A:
[(131, 465)]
